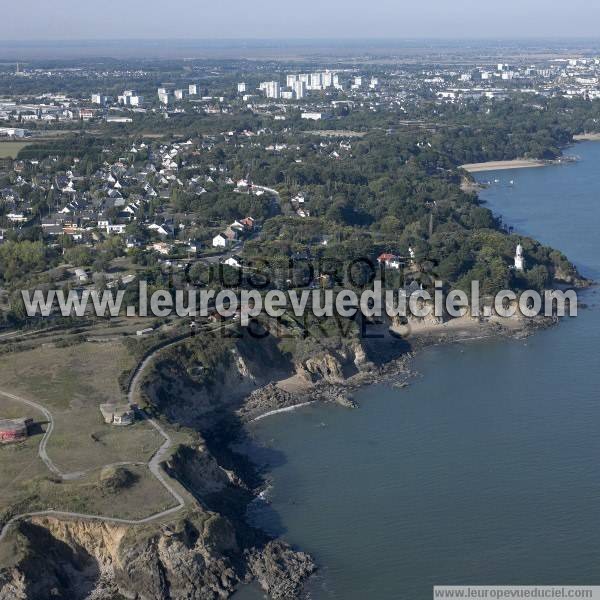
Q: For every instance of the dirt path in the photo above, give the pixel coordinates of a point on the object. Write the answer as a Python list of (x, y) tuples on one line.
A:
[(153, 465)]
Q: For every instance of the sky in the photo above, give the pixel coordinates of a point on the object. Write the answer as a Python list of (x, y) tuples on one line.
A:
[(300, 19)]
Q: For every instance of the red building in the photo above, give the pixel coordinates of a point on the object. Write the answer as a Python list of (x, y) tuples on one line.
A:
[(14, 430)]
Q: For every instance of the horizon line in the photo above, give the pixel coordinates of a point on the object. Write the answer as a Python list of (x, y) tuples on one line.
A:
[(289, 39)]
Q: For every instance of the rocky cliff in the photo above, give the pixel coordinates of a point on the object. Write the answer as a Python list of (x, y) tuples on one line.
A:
[(201, 555), (208, 387)]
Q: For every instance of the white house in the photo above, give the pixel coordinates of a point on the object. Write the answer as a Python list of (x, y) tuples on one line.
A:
[(234, 262), (237, 226), (163, 229), (16, 217), (116, 228), (313, 116), (220, 241), (114, 414)]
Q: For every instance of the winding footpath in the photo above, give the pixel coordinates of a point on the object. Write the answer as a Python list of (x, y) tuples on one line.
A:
[(154, 465)]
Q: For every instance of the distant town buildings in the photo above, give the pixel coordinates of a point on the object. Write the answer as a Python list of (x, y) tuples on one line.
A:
[(299, 89), (99, 99), (133, 184), (271, 89), (130, 98), (115, 119), (321, 80), (298, 84), (313, 116), (14, 132), (164, 96)]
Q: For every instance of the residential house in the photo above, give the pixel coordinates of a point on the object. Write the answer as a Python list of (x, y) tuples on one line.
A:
[(390, 261), (233, 261), (161, 248), (220, 241), (248, 223), (164, 229), (116, 228)]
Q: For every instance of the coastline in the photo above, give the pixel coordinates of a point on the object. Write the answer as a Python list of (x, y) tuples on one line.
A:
[(281, 397), (587, 137), (281, 410), (285, 396), (399, 371), (318, 385), (502, 165), (525, 163)]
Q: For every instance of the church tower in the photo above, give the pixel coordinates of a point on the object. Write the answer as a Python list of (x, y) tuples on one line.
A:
[(519, 260)]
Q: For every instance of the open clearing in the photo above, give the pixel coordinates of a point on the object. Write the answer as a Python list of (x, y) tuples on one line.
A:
[(338, 133), (31, 490), (11, 149), (72, 382)]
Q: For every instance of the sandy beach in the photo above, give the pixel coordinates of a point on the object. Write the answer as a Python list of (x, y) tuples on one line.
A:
[(500, 165), (582, 137)]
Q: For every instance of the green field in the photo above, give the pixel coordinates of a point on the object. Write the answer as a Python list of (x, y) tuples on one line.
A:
[(11, 149), (71, 382)]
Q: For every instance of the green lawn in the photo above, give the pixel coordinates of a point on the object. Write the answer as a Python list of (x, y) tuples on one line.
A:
[(72, 382), (11, 149)]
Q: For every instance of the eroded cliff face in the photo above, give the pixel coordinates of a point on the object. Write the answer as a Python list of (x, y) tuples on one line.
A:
[(201, 555), (89, 559), (188, 391), (334, 365), (208, 549), (197, 391)]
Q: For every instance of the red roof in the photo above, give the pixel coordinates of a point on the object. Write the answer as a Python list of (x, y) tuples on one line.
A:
[(386, 257)]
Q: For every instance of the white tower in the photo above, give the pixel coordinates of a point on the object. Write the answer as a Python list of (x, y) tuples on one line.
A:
[(519, 260)]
